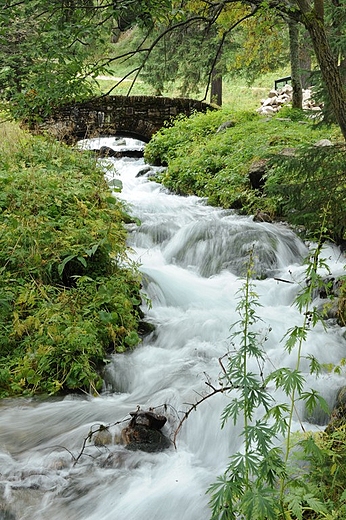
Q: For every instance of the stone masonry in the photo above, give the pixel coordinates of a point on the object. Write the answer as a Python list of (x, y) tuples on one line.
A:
[(136, 116)]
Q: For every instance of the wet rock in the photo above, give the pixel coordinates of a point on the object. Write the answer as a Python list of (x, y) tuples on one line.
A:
[(143, 432), (143, 438), (333, 293), (261, 216), (144, 171), (256, 173), (106, 151), (145, 328), (148, 419), (103, 436), (338, 415)]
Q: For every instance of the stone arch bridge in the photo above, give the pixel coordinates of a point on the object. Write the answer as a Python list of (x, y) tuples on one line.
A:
[(134, 116)]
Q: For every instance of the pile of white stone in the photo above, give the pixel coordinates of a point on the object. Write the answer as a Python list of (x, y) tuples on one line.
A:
[(278, 98)]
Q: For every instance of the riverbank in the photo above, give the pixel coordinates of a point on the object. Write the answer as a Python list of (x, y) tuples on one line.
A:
[(254, 163), (191, 256), (69, 294)]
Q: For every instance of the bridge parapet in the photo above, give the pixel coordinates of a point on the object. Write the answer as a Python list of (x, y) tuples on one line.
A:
[(135, 116)]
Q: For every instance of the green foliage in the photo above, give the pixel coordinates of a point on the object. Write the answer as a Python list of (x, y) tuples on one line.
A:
[(184, 58), (304, 190), (327, 469), (261, 46), (129, 13), (247, 487), (216, 165), (47, 54), (68, 294), (267, 481)]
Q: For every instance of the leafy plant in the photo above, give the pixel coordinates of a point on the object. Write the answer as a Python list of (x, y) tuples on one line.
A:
[(248, 484), (264, 481), (215, 164), (305, 183), (47, 55), (69, 296)]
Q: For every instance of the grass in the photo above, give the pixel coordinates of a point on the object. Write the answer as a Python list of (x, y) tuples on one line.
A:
[(215, 165), (236, 94), (11, 136)]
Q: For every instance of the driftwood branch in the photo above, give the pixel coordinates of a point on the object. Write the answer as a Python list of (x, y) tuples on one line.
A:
[(102, 427)]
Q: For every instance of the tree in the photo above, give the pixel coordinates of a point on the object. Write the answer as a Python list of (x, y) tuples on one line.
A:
[(60, 56), (335, 20), (49, 53), (297, 92), (312, 16), (261, 46), (303, 11), (190, 58)]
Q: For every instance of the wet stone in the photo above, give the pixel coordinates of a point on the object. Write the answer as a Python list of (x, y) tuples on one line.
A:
[(145, 439), (143, 432)]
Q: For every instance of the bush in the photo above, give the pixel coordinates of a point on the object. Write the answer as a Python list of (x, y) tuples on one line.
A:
[(310, 183), (68, 294), (215, 164)]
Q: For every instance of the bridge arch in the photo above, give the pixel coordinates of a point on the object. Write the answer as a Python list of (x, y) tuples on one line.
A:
[(134, 116)]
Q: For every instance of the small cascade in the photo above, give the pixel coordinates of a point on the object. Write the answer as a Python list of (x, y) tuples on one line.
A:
[(192, 257)]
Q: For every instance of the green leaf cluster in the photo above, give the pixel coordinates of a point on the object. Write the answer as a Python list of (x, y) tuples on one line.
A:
[(307, 184), (68, 294), (49, 54), (275, 476), (215, 164)]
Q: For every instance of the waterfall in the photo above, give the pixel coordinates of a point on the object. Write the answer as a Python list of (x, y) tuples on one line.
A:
[(192, 257)]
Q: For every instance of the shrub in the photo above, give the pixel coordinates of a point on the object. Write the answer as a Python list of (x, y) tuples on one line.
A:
[(69, 295), (309, 183), (215, 164)]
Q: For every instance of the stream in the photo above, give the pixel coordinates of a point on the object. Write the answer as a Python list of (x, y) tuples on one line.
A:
[(192, 257)]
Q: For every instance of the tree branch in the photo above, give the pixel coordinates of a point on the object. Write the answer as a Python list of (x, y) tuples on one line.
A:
[(193, 407)]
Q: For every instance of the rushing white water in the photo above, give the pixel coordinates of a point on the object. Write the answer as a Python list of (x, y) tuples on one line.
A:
[(191, 256)]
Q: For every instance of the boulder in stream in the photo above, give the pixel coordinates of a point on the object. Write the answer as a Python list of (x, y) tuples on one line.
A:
[(144, 432), (103, 436)]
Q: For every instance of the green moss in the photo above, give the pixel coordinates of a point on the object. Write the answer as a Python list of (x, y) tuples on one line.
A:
[(215, 164)]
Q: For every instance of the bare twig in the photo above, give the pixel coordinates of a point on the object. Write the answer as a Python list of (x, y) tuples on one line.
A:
[(193, 406)]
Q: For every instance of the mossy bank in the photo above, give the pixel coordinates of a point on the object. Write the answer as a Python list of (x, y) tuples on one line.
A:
[(69, 295), (211, 155)]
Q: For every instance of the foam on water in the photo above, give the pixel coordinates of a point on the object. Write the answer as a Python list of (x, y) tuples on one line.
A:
[(191, 256)]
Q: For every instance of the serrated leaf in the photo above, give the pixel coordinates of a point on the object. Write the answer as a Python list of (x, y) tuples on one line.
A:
[(314, 503)]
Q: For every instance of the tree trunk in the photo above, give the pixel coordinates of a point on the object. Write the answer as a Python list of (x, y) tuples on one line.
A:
[(297, 93), (305, 52), (216, 88), (327, 62)]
